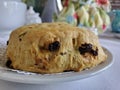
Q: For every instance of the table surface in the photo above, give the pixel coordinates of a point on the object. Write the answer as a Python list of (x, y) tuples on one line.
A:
[(107, 80)]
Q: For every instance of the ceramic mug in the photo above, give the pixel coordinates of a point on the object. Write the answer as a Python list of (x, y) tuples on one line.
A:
[(12, 14)]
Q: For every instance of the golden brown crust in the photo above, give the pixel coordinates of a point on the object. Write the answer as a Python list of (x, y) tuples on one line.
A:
[(31, 47)]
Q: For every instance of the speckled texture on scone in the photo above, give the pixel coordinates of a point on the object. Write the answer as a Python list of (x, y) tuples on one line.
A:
[(53, 47)]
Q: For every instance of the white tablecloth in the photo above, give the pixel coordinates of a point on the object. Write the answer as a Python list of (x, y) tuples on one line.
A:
[(107, 80)]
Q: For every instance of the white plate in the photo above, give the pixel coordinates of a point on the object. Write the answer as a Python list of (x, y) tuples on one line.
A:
[(117, 35), (26, 77)]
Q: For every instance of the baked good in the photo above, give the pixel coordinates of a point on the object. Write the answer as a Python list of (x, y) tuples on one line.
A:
[(53, 48)]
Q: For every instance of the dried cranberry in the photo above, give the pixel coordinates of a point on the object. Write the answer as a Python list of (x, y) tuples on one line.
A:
[(82, 50), (85, 48), (93, 52), (54, 46), (8, 63), (7, 42)]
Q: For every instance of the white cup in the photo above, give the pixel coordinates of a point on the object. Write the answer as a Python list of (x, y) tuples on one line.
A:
[(12, 14)]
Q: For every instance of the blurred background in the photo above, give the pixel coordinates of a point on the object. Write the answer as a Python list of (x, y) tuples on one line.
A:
[(95, 15), (115, 4)]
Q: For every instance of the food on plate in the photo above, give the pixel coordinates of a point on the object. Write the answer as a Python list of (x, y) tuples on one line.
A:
[(53, 48)]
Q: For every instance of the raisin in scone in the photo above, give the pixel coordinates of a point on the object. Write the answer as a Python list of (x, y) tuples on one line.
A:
[(53, 48)]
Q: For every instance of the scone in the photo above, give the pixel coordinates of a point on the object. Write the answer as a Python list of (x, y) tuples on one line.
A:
[(53, 48)]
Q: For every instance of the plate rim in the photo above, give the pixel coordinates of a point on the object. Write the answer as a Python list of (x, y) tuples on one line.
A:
[(29, 79)]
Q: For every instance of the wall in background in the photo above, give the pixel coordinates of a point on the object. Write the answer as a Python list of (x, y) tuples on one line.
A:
[(115, 4)]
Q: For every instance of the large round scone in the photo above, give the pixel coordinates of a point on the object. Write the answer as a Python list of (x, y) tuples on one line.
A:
[(52, 48)]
